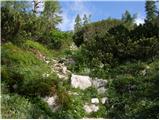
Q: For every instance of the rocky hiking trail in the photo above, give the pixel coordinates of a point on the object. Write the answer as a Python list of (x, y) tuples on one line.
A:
[(77, 82)]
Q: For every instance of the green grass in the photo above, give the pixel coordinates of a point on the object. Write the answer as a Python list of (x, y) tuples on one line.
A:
[(15, 106), (23, 68), (132, 93), (29, 44)]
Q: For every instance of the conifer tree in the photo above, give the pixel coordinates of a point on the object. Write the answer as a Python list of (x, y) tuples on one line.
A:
[(150, 8), (78, 23)]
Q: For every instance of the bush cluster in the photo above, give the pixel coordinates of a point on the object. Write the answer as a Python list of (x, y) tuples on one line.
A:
[(118, 44), (135, 93)]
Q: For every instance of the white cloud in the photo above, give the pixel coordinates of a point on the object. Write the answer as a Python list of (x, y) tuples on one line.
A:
[(77, 7), (139, 20), (67, 23)]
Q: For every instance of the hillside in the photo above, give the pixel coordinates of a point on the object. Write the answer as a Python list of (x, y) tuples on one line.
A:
[(107, 69)]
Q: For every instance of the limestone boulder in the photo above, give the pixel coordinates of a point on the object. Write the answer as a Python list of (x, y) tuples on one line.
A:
[(82, 82)]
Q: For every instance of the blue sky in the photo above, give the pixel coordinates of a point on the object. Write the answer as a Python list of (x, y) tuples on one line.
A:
[(99, 10)]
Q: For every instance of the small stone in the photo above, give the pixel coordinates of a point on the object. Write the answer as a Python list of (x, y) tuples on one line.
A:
[(51, 100), (45, 75), (104, 99), (47, 62), (64, 70), (147, 67), (72, 93), (91, 108), (143, 72), (95, 100)]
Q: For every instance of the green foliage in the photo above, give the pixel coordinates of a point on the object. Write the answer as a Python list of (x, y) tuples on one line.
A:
[(134, 94), (41, 110), (119, 44), (29, 44), (88, 32), (4, 88), (12, 54), (128, 19), (31, 76), (117, 50), (78, 38), (71, 106), (80, 65), (19, 23), (89, 93), (50, 13), (18, 107), (73, 111), (14, 106), (78, 23), (56, 39), (86, 19), (150, 8)]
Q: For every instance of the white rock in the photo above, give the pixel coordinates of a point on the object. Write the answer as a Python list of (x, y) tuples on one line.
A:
[(147, 67), (97, 83), (72, 93), (95, 100), (45, 75), (64, 70), (51, 100), (103, 100), (91, 108), (47, 62), (82, 82), (143, 72)]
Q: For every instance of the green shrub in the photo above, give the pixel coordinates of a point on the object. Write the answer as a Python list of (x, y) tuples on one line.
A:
[(41, 110), (134, 95), (12, 54), (100, 113), (15, 107), (4, 88), (117, 44), (29, 44), (74, 109)]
